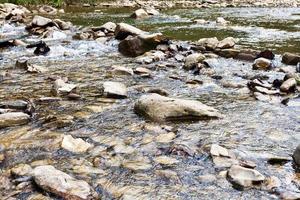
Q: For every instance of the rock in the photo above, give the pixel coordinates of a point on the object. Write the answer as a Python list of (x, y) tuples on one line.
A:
[(60, 87), (121, 70), (17, 104), (138, 45), (160, 108), (288, 85), (262, 64), (21, 170), (123, 30), (290, 59), (165, 160), (159, 91), (227, 43), (208, 43), (29, 67), (244, 177), (139, 14), (13, 119), (296, 156), (298, 67), (62, 24), (151, 10), (108, 27), (61, 184), (229, 53), (75, 145), (217, 150), (192, 60), (41, 21), (139, 164), (143, 71), (114, 90), (266, 54), (49, 10), (201, 21), (41, 48), (221, 21), (288, 195)]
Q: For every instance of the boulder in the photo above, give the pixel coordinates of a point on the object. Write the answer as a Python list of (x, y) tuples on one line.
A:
[(289, 85), (290, 59), (266, 54), (244, 177), (208, 43), (160, 108), (61, 184), (13, 119), (108, 27), (296, 156), (114, 90), (41, 21), (121, 70), (75, 145), (227, 43), (62, 24), (139, 14), (138, 45), (192, 60), (151, 10), (123, 30), (217, 150), (262, 64)]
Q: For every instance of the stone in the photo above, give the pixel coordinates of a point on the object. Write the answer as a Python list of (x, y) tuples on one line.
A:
[(61, 184), (296, 156), (75, 145), (244, 177), (114, 90), (41, 21), (290, 59), (121, 70), (262, 64), (62, 24), (41, 48), (13, 119), (17, 104), (60, 87), (216, 150), (143, 71), (108, 27), (229, 53), (138, 45), (221, 21), (266, 54), (123, 30), (139, 14), (165, 160), (298, 67), (201, 21), (208, 43), (192, 60), (21, 170), (227, 43), (49, 10), (288, 85), (160, 108)]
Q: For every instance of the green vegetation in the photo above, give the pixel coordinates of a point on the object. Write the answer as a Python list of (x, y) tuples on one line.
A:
[(30, 2)]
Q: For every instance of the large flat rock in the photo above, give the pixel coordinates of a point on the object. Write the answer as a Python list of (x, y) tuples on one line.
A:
[(160, 108), (13, 119)]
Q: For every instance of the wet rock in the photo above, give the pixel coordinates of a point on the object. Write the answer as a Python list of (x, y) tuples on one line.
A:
[(217, 150), (221, 21), (266, 54), (159, 91), (262, 64), (288, 195), (160, 108), (165, 160), (288, 85), (13, 119), (62, 24), (21, 170), (229, 53), (48, 10), (123, 30), (290, 59), (296, 156), (114, 90), (139, 14), (227, 43), (61, 87), (138, 45), (121, 70), (17, 104), (200, 21), (41, 21), (244, 177), (192, 60), (41, 48), (143, 71), (108, 27), (61, 184), (208, 43), (75, 145)]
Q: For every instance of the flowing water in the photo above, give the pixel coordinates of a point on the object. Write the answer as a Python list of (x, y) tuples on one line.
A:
[(254, 130)]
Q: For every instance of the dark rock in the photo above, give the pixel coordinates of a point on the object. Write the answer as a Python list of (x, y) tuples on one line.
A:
[(290, 59), (41, 48), (296, 156), (266, 54)]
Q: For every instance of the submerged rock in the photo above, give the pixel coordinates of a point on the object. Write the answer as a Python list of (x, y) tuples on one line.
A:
[(139, 14), (160, 108), (41, 48), (289, 85), (192, 60), (60, 87), (290, 59), (244, 177), (222, 21), (262, 64), (61, 184), (114, 90), (296, 156), (75, 145), (227, 43), (13, 119)]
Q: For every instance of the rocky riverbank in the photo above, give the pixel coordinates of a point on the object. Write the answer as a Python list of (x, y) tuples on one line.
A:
[(116, 112)]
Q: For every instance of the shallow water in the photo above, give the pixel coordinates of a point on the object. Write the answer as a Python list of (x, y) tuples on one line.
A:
[(254, 130)]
